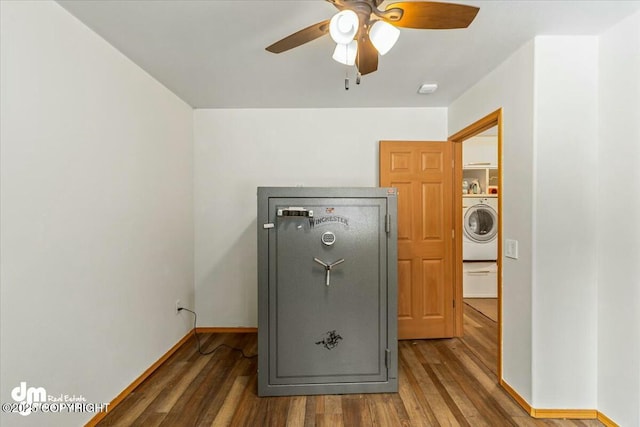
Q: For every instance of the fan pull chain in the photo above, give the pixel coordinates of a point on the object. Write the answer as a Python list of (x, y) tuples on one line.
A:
[(346, 72), (346, 78), (346, 69), (356, 70)]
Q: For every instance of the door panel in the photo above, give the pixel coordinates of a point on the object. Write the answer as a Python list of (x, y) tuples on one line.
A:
[(433, 278), (401, 161), (432, 211), (405, 229), (404, 289), (423, 174), (432, 161)]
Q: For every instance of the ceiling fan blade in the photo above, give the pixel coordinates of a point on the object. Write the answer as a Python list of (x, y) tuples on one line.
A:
[(339, 4), (301, 37), (430, 15), (367, 57)]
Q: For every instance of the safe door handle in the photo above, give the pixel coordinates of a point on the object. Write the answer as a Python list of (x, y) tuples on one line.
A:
[(340, 261), (321, 262), (328, 267)]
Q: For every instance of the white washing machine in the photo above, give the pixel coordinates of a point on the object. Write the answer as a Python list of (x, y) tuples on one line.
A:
[(480, 228)]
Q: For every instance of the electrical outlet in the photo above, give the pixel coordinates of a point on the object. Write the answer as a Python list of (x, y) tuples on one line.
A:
[(178, 306)]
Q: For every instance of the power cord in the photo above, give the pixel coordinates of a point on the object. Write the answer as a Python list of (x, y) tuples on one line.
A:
[(195, 333)]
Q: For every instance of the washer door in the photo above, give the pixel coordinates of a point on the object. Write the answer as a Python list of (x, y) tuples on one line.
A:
[(480, 223)]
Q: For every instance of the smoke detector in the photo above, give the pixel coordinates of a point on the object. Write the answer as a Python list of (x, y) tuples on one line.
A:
[(427, 88)]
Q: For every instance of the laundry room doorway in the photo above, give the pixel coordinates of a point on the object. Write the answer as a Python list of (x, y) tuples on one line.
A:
[(478, 223)]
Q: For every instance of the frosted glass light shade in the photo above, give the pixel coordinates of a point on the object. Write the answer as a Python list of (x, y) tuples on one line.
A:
[(344, 26), (383, 36), (346, 53)]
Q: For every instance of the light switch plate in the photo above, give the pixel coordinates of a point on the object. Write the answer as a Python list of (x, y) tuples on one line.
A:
[(511, 248)]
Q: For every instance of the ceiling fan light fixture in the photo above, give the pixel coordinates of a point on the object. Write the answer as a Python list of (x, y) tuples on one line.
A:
[(343, 27), (383, 36), (346, 53)]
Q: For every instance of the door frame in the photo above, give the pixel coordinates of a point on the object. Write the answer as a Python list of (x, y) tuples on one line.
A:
[(485, 123)]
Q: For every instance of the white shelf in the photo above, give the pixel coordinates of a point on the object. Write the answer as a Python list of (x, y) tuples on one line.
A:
[(480, 165), (486, 174)]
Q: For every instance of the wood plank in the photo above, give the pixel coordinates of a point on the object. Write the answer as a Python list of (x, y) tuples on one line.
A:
[(486, 306), (401, 410), (146, 374), (458, 395), (137, 403), (188, 406), (296, 414), (277, 411), (177, 389), (332, 404), (418, 409), (426, 387), (487, 406), (355, 411), (250, 408), (446, 396), (242, 368), (310, 411), (329, 420), (485, 377), (225, 415)]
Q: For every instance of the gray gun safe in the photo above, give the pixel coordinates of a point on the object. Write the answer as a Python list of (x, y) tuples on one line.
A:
[(327, 291)]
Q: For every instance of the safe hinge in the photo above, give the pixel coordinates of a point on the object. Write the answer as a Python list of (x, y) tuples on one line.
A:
[(387, 358), (387, 225)]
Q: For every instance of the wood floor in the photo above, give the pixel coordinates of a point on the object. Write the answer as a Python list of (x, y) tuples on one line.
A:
[(447, 382), (486, 306)]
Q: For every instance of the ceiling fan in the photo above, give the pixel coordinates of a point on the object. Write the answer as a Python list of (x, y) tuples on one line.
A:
[(362, 30)]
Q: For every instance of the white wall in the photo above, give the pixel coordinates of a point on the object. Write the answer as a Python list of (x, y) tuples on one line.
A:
[(618, 231), (239, 150), (510, 86), (571, 146), (96, 212), (564, 252), (480, 149)]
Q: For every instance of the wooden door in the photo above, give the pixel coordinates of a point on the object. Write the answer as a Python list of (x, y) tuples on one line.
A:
[(423, 174)]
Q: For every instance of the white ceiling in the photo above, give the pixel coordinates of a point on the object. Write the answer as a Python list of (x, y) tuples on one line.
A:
[(211, 53)]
